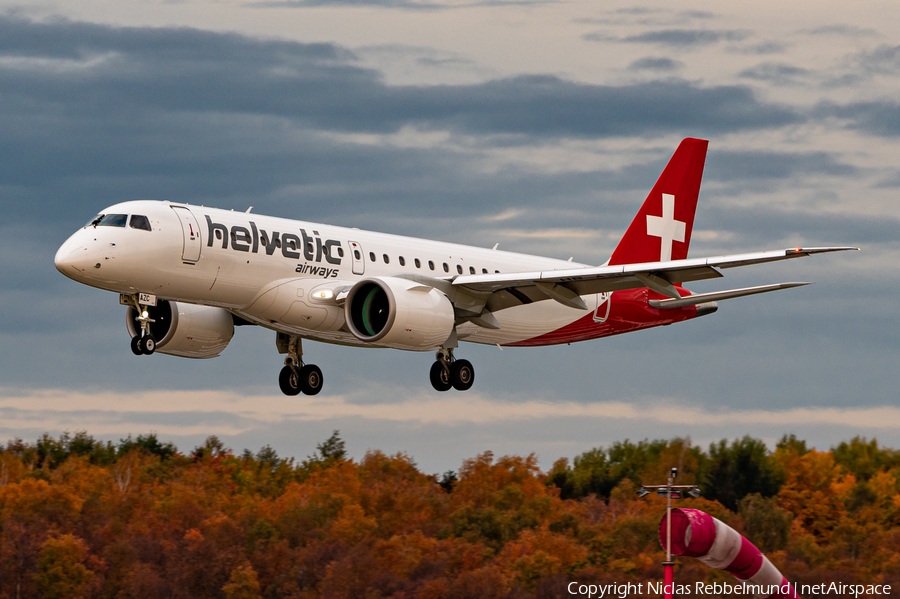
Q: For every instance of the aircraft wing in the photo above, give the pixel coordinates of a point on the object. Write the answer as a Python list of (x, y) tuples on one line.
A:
[(564, 286)]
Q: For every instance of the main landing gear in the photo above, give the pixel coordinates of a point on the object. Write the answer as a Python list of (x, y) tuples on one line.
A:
[(449, 372), (296, 378)]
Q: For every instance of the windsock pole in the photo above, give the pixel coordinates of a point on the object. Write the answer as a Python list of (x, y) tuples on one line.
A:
[(671, 491), (669, 565)]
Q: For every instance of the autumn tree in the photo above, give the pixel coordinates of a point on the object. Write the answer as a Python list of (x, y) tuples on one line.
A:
[(61, 572), (138, 519), (734, 471), (242, 584), (767, 524)]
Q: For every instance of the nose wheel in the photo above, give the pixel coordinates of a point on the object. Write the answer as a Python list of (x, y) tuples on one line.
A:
[(143, 346), (296, 378), (447, 372)]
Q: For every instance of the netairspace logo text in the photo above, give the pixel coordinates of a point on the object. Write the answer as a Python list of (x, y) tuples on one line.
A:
[(623, 590)]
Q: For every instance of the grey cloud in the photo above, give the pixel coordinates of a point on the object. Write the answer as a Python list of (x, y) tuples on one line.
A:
[(637, 10), (882, 60), (841, 30), (761, 48), (889, 182), (880, 118), (697, 14), (170, 71), (396, 4), (651, 63), (79, 40), (204, 117), (404, 4), (764, 226), (730, 165), (648, 16), (776, 73), (549, 106), (685, 37)]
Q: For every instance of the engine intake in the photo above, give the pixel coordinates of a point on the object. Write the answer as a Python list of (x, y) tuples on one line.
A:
[(185, 330), (398, 313)]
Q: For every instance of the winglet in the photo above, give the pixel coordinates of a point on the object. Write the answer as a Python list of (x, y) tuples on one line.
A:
[(798, 251)]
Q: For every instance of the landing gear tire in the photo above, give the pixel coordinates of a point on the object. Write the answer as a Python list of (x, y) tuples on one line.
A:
[(311, 379), (462, 375), (143, 345), (289, 380), (147, 345), (440, 378)]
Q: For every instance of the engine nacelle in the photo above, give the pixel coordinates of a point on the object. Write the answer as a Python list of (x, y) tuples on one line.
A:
[(186, 330), (398, 313)]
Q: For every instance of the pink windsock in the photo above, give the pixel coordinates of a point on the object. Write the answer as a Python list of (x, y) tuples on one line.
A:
[(697, 534)]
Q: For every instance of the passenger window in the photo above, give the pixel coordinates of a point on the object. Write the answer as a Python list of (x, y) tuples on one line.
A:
[(402, 261), (459, 268), (446, 268), (139, 221), (356, 254), (418, 264), (341, 252), (309, 247), (113, 220), (431, 265), (471, 270), (372, 256), (497, 271), (386, 259), (484, 271)]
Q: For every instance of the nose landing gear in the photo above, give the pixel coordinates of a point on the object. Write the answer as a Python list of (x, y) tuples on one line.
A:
[(447, 372), (296, 378), (142, 344)]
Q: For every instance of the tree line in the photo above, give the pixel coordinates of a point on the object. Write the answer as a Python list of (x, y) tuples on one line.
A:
[(81, 517)]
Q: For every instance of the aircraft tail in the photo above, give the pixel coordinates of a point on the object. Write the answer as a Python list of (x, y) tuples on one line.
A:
[(661, 230)]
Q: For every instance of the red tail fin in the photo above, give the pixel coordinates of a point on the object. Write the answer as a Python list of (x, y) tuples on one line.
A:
[(662, 228)]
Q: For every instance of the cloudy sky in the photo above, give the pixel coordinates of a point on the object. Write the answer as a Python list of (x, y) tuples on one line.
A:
[(537, 124)]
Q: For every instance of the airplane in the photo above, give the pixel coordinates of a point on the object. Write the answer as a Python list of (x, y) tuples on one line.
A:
[(189, 274)]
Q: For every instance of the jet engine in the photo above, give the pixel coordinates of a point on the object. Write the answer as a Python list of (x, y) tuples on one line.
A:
[(399, 313), (186, 330)]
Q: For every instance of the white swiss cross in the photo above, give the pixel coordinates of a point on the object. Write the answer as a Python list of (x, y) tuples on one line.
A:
[(666, 227)]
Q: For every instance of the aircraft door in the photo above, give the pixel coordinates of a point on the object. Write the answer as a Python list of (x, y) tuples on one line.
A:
[(358, 257), (191, 229)]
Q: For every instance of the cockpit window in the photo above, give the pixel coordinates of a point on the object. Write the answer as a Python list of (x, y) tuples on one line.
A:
[(139, 221), (95, 221), (110, 220)]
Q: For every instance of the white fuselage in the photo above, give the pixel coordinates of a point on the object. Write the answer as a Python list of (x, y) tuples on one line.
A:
[(234, 260)]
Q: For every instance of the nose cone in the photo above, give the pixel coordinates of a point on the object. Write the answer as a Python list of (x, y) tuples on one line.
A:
[(69, 256)]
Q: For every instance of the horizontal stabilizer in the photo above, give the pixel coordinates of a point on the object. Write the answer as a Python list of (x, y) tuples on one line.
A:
[(700, 298)]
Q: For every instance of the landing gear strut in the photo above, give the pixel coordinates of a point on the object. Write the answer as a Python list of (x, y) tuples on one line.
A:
[(142, 344), (296, 378), (449, 372)]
